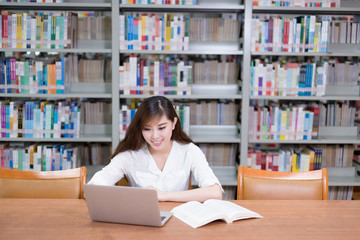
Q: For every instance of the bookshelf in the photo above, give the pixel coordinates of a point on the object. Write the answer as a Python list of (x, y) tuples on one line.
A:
[(78, 91), (241, 49), (338, 176)]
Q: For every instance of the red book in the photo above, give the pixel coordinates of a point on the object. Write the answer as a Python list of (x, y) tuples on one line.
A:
[(4, 23)]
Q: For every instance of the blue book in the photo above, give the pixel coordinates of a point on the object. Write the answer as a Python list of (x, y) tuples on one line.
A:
[(306, 125), (138, 77), (62, 75), (45, 80), (7, 120), (2, 76), (8, 75), (11, 159), (266, 38), (73, 117), (56, 121), (62, 148), (67, 118), (31, 123)]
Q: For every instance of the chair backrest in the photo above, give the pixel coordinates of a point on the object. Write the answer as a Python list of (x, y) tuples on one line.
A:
[(125, 182), (45, 184), (255, 184)]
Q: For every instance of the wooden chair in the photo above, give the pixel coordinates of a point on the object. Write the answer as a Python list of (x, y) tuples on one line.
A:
[(46, 184), (124, 182), (254, 184)]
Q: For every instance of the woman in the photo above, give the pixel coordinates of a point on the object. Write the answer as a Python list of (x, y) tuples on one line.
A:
[(157, 154)]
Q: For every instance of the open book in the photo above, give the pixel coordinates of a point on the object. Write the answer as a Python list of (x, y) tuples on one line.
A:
[(197, 214)]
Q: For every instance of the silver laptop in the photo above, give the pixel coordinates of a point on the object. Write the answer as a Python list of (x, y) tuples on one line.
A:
[(127, 205)]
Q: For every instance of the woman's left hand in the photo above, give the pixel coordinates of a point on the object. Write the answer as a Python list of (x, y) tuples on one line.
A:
[(160, 194)]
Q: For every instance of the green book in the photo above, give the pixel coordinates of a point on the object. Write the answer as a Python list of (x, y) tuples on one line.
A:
[(53, 31), (61, 25), (38, 32)]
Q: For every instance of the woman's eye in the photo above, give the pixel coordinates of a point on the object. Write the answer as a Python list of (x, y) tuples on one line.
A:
[(162, 128), (146, 129)]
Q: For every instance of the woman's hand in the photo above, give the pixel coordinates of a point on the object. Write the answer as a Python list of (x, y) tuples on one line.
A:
[(160, 194), (198, 194)]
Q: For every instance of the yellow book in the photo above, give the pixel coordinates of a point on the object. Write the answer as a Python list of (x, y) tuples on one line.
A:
[(143, 32), (295, 166), (167, 32), (19, 31), (311, 153), (283, 124), (42, 31)]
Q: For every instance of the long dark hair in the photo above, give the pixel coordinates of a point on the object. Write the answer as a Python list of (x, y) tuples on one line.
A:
[(151, 108)]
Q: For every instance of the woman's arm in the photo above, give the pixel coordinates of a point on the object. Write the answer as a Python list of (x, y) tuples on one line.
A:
[(199, 194)]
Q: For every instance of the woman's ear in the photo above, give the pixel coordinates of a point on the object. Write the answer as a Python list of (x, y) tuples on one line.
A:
[(174, 123)]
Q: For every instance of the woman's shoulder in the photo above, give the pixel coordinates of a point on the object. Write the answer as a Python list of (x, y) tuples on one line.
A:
[(131, 153)]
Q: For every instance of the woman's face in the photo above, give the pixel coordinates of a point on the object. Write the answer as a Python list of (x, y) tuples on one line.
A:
[(157, 133)]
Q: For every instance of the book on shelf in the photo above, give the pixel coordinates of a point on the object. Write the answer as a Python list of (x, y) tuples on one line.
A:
[(160, 2), (149, 76), (308, 33), (39, 119), (47, 30), (297, 3), (198, 214), (38, 157), (220, 154), (301, 157)]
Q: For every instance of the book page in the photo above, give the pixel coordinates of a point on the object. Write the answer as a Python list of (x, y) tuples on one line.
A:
[(196, 214), (232, 210)]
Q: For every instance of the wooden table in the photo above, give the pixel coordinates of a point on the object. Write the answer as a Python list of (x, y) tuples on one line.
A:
[(69, 219)]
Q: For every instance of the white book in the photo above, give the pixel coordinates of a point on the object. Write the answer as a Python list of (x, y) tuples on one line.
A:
[(181, 82), (197, 214), (33, 32), (14, 31), (24, 29), (133, 71), (122, 32)]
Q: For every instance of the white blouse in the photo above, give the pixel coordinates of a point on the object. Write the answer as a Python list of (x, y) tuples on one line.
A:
[(140, 169)]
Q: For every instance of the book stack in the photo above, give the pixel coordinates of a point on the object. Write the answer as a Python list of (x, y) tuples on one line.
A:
[(281, 122), (94, 154), (96, 112), (92, 27), (344, 29), (37, 157), (39, 119), (33, 77), (154, 32), (337, 114), (224, 29), (297, 3), (302, 34), (220, 154), (280, 78), (42, 30), (341, 192), (295, 158), (290, 34), (155, 76), (211, 112), (224, 70)]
